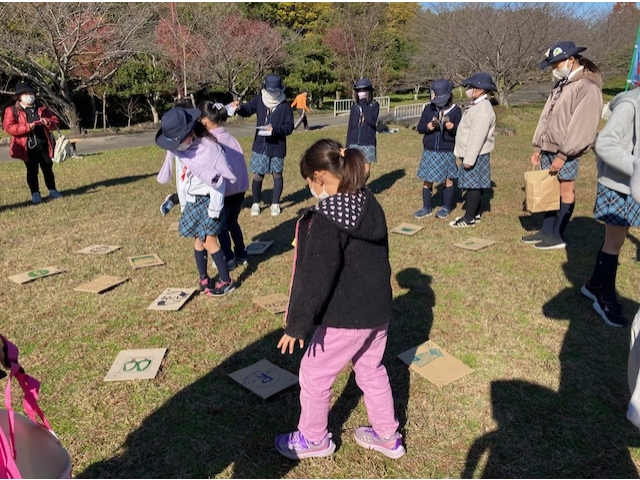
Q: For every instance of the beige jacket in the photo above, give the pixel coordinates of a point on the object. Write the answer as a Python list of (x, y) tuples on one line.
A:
[(475, 131), (569, 129)]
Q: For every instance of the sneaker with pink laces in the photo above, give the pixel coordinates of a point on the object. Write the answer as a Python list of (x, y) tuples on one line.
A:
[(220, 288), (391, 447), (204, 283), (295, 447)]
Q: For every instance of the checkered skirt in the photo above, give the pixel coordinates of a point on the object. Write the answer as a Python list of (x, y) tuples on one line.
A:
[(615, 208), (479, 176), (195, 222), (569, 170), (369, 152), (263, 164), (437, 166)]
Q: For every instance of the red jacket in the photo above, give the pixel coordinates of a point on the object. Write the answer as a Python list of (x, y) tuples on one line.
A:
[(19, 129)]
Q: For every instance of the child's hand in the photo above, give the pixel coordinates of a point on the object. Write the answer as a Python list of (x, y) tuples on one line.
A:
[(288, 343), (431, 126), (449, 126), (535, 158)]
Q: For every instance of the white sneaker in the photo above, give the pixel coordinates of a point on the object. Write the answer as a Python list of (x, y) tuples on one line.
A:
[(275, 210), (255, 209)]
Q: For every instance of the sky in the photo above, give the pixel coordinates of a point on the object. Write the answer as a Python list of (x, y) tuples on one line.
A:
[(604, 6)]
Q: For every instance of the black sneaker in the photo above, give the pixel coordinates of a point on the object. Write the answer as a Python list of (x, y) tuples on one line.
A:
[(460, 222), (220, 289), (534, 238), (549, 242), (592, 293), (611, 313)]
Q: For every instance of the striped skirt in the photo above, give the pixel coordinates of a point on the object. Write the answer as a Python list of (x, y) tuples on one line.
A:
[(437, 166)]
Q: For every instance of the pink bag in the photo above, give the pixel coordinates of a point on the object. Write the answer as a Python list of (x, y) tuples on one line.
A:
[(28, 446)]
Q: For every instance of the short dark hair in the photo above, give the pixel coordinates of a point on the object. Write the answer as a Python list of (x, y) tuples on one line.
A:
[(346, 164), (214, 111)]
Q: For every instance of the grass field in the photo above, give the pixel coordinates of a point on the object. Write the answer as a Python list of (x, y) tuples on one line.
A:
[(547, 397)]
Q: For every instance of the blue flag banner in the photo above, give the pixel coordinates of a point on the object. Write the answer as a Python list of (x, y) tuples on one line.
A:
[(634, 69)]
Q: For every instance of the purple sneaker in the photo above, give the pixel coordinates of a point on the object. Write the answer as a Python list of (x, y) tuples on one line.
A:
[(391, 447), (295, 447)]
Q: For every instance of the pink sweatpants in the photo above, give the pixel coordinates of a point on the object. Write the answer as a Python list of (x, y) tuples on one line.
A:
[(329, 352)]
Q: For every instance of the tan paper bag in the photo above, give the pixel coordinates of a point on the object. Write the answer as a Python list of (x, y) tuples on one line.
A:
[(542, 191)]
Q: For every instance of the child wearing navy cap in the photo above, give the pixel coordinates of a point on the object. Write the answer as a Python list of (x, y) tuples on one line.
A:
[(439, 124), (363, 118), (474, 142)]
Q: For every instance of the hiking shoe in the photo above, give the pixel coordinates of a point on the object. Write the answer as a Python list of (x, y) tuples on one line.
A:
[(295, 447), (220, 289), (533, 238), (391, 447), (443, 213), (275, 210), (255, 209), (204, 284), (592, 293), (549, 242), (423, 212), (167, 205), (36, 198), (53, 194), (611, 313), (460, 222)]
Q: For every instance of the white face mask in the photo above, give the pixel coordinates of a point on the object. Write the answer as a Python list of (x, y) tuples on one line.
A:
[(274, 95), (362, 95), (184, 145), (28, 99), (320, 197), (469, 92), (560, 73)]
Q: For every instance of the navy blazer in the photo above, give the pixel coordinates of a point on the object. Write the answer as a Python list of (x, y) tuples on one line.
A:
[(440, 139), (281, 119), (362, 123)]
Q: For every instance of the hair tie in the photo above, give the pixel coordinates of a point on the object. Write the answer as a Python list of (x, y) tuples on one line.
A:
[(218, 106), (342, 150)]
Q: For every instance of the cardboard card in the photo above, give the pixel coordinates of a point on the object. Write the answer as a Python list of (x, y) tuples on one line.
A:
[(34, 274), (174, 226), (172, 299), (258, 247), (407, 229), (474, 243), (142, 261), (275, 303), (99, 249), (264, 378), (101, 284), (434, 363), (136, 364)]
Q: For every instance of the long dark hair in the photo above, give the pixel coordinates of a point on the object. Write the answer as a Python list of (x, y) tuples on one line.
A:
[(588, 64), (213, 111), (345, 163), (369, 98)]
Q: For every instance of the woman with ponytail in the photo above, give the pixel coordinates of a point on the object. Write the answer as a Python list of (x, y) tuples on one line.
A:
[(341, 295)]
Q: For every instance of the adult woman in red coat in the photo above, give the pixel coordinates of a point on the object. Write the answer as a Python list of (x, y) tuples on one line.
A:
[(30, 122)]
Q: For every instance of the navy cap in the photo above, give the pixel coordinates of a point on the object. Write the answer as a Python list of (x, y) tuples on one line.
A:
[(24, 87), (177, 123), (441, 89), (363, 84), (480, 80), (273, 83), (560, 51)]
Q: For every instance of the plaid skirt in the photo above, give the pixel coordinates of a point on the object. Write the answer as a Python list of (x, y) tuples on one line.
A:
[(437, 166), (369, 152), (263, 164), (569, 170), (479, 176), (195, 222), (615, 208)]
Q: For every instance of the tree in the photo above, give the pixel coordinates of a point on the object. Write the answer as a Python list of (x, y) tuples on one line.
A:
[(75, 46)]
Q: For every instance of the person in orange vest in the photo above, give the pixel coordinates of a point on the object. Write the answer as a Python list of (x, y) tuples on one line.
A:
[(300, 103)]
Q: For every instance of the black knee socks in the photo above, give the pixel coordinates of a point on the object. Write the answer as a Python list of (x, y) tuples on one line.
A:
[(473, 198), (278, 184), (256, 188), (426, 198)]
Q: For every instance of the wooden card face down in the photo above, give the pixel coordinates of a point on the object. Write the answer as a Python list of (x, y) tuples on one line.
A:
[(474, 243), (258, 247), (275, 303), (99, 249), (136, 365), (174, 226), (264, 378), (143, 261), (434, 363), (172, 299), (34, 274), (101, 284), (407, 229)]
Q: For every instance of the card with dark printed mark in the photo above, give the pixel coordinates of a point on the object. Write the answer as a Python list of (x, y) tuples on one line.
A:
[(474, 243), (172, 299), (99, 249), (143, 261), (136, 365), (258, 247), (407, 229), (264, 378), (34, 274), (101, 284), (275, 303), (434, 363)]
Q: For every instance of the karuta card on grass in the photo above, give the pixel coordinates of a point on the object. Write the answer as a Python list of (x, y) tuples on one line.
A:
[(474, 243), (34, 274), (274, 303), (172, 299), (99, 249), (258, 247), (264, 378), (101, 284), (143, 261), (407, 229)]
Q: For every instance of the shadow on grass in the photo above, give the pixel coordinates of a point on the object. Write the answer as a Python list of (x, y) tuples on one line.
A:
[(485, 200), (85, 189), (386, 181), (581, 430)]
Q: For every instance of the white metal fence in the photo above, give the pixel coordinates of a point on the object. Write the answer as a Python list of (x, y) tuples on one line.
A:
[(408, 111), (344, 106)]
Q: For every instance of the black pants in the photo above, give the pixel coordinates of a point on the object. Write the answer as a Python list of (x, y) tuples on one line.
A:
[(302, 116), (232, 207), (41, 158)]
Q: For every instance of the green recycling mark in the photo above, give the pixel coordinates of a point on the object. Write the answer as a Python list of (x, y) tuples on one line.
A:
[(38, 273), (427, 357), (407, 229), (138, 365)]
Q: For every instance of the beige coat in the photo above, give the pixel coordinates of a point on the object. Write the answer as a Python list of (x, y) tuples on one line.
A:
[(475, 133), (569, 129)]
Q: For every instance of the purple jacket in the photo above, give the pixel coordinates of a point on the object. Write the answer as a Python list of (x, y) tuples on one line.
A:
[(235, 159), (205, 159)]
